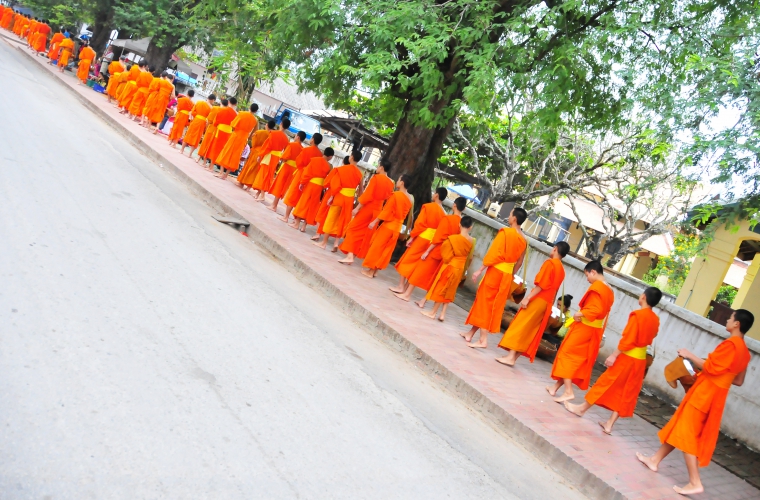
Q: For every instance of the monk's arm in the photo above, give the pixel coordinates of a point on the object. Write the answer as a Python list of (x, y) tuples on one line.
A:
[(592, 310), (695, 360), (629, 333), (525, 301), (739, 379)]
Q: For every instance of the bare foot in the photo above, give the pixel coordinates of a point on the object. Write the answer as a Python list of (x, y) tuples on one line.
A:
[(479, 345), (551, 390), (603, 425), (294, 225), (316, 237), (466, 337), (273, 209), (574, 409), (334, 249), (401, 296), (421, 303), (646, 461), (346, 262), (369, 273), (320, 245), (689, 489), (302, 229), (504, 360), (395, 290), (564, 397), (428, 314), (441, 318)]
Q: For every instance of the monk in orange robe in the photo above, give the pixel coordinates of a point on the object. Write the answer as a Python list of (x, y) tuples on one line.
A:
[(327, 194), (157, 109), (426, 268), (194, 133), (312, 182), (524, 333), (293, 194), (54, 47), (40, 43), (339, 200), (208, 135), (86, 56), (695, 426), (223, 124), (67, 48), (384, 237), (419, 239), (114, 68), (155, 85), (121, 82), (184, 105), (577, 354), (617, 389), (284, 175), (125, 97), (270, 152), (246, 176), (242, 126), (140, 96), (503, 259), (358, 233), (456, 253)]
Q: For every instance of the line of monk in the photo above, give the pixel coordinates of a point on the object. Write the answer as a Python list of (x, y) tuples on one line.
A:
[(438, 253)]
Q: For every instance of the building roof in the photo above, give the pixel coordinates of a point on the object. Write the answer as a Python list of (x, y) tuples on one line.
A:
[(290, 95)]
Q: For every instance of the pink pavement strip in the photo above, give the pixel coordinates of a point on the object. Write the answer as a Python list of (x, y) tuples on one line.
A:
[(519, 391)]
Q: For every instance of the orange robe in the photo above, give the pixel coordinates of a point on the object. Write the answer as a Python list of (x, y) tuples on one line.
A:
[(495, 288), (114, 69), (324, 208), (286, 170), (422, 233), (184, 105), (384, 238), (577, 354), (54, 46), (294, 192), (157, 109), (694, 427), (40, 43), (426, 270), (208, 136), (125, 97), (155, 84), (141, 93), (271, 151), (242, 126), (313, 178), (358, 234), (121, 82), (525, 331), (67, 47), (86, 56), (617, 389), (454, 253), (195, 131), (342, 188), (223, 125), (251, 167)]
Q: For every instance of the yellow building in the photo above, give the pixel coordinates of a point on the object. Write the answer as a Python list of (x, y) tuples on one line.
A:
[(708, 272)]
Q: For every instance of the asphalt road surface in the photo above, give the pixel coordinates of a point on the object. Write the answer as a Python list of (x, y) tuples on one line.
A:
[(147, 351)]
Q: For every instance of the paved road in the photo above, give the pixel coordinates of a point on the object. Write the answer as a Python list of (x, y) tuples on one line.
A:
[(147, 351)]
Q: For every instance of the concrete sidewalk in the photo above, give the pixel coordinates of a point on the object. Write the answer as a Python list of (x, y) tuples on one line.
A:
[(599, 465)]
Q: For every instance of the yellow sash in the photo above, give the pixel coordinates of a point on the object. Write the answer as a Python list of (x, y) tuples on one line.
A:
[(265, 160), (636, 352), (458, 262), (428, 234), (348, 192), (184, 112), (292, 163), (200, 117), (599, 324), (319, 181), (506, 267), (223, 128), (278, 154)]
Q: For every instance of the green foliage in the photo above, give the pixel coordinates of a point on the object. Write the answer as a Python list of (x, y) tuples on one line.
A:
[(67, 13), (726, 294), (167, 21), (675, 266)]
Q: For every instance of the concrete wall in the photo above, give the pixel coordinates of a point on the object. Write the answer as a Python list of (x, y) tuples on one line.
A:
[(678, 328)]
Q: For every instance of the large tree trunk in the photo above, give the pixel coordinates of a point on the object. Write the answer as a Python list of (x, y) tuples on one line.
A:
[(160, 56), (101, 30), (414, 150)]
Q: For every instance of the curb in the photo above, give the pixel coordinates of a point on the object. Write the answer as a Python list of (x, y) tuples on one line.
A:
[(575, 474)]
